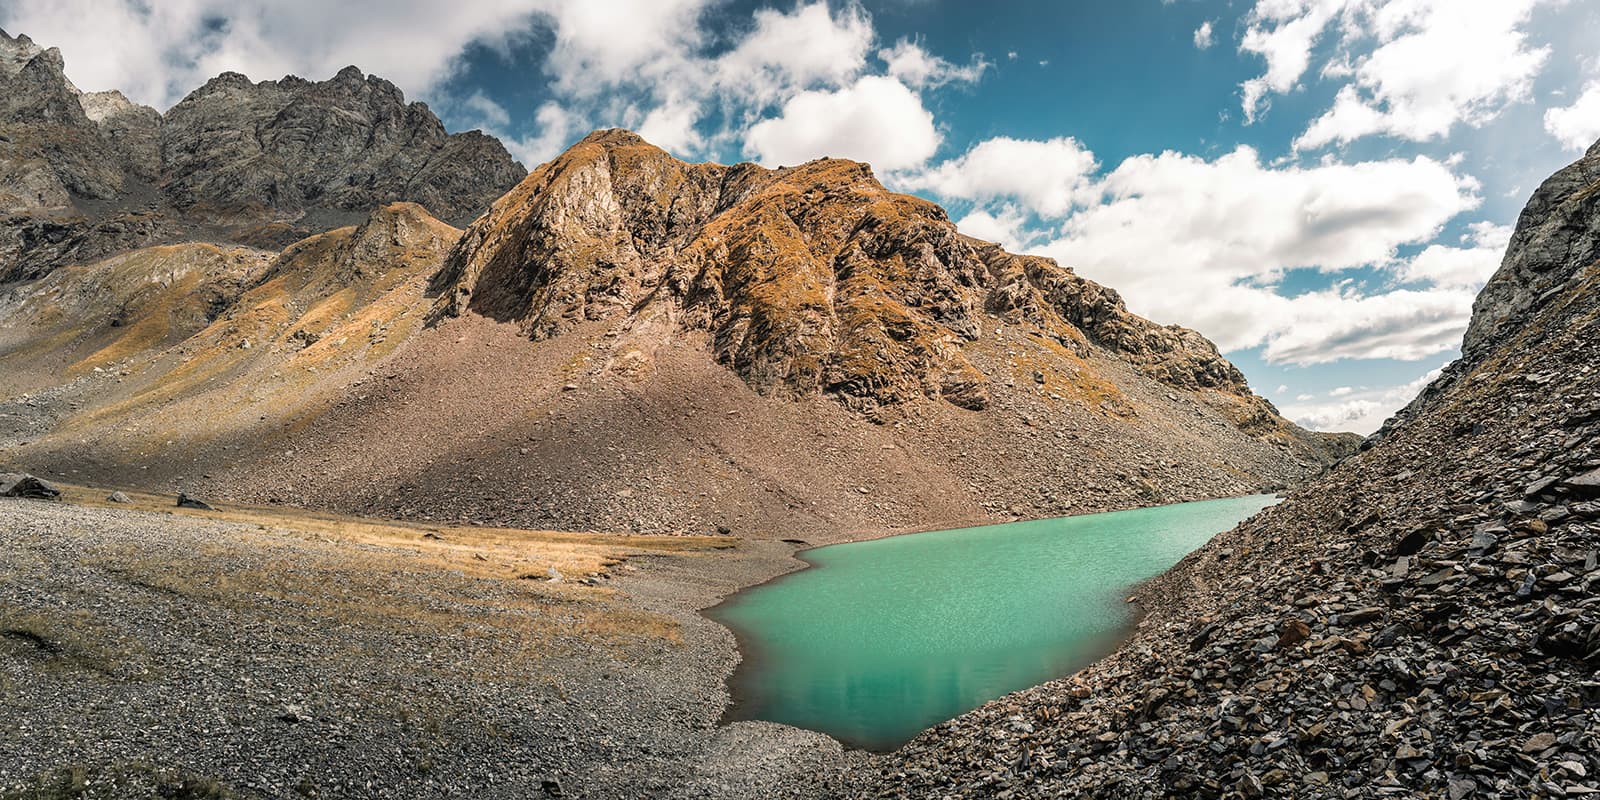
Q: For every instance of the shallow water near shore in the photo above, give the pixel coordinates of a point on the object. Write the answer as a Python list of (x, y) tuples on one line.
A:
[(879, 640)]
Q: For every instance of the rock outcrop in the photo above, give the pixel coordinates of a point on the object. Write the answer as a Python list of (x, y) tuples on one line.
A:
[(21, 484), (50, 151), (1555, 231), (812, 279), (348, 144), (86, 175), (1422, 621)]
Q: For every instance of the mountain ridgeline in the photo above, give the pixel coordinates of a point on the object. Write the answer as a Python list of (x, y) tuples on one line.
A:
[(806, 279), (621, 341), (85, 175), (310, 294)]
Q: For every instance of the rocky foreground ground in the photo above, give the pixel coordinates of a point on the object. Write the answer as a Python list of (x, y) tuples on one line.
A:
[(1424, 621), (249, 654)]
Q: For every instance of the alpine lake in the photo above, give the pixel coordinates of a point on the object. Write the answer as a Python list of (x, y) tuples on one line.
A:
[(878, 640)]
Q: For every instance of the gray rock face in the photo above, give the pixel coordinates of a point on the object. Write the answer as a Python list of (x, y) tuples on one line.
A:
[(85, 175), (48, 145), (1555, 239), (351, 143), (21, 484), (133, 131), (32, 245)]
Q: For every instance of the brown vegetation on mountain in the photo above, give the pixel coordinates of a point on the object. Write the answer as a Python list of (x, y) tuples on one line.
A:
[(628, 342)]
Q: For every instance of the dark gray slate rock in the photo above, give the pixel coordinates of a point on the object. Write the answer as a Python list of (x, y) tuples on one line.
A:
[(351, 143), (1552, 243), (21, 484), (1587, 483), (185, 501)]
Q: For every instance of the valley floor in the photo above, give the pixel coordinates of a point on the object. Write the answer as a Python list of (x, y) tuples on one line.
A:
[(148, 651)]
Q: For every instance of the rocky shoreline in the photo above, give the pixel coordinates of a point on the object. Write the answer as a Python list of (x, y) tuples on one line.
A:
[(1422, 622), (223, 653), (214, 656)]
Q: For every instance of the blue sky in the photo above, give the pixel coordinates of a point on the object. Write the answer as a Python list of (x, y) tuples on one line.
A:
[(1320, 186)]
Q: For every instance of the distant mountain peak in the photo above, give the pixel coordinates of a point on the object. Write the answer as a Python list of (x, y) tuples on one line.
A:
[(89, 174)]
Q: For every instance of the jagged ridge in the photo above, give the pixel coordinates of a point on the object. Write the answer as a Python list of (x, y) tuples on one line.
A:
[(86, 175), (694, 326), (812, 279)]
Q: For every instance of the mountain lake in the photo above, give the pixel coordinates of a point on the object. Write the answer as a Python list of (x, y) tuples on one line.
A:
[(876, 641)]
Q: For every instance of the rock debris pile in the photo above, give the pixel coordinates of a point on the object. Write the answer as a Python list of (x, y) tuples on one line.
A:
[(1422, 622)]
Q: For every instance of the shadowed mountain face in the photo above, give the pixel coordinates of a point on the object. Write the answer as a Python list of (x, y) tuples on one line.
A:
[(628, 342), (87, 175), (1421, 621)]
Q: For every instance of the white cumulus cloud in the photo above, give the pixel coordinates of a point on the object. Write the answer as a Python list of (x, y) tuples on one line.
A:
[(1360, 412), (808, 47), (914, 66), (1204, 242), (1438, 63), (876, 119), (1045, 176), (1006, 227), (1577, 126), (1283, 32), (491, 113), (1411, 69), (157, 52), (1469, 267), (556, 126)]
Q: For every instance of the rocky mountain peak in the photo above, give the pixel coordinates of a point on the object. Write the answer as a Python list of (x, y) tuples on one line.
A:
[(84, 175), (345, 144), (15, 53), (806, 280), (1553, 249), (1554, 240), (226, 81), (36, 90)]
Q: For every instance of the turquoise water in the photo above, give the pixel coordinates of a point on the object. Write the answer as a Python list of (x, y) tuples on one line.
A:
[(878, 640)]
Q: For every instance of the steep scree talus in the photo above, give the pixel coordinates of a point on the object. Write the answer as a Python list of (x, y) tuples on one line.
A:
[(1421, 622)]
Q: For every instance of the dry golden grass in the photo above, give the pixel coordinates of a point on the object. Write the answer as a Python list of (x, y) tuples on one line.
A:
[(325, 304), (68, 640), (359, 571), (1069, 376)]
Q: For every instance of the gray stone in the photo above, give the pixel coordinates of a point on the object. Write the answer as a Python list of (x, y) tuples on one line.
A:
[(21, 484), (236, 156), (1587, 483), (185, 501)]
